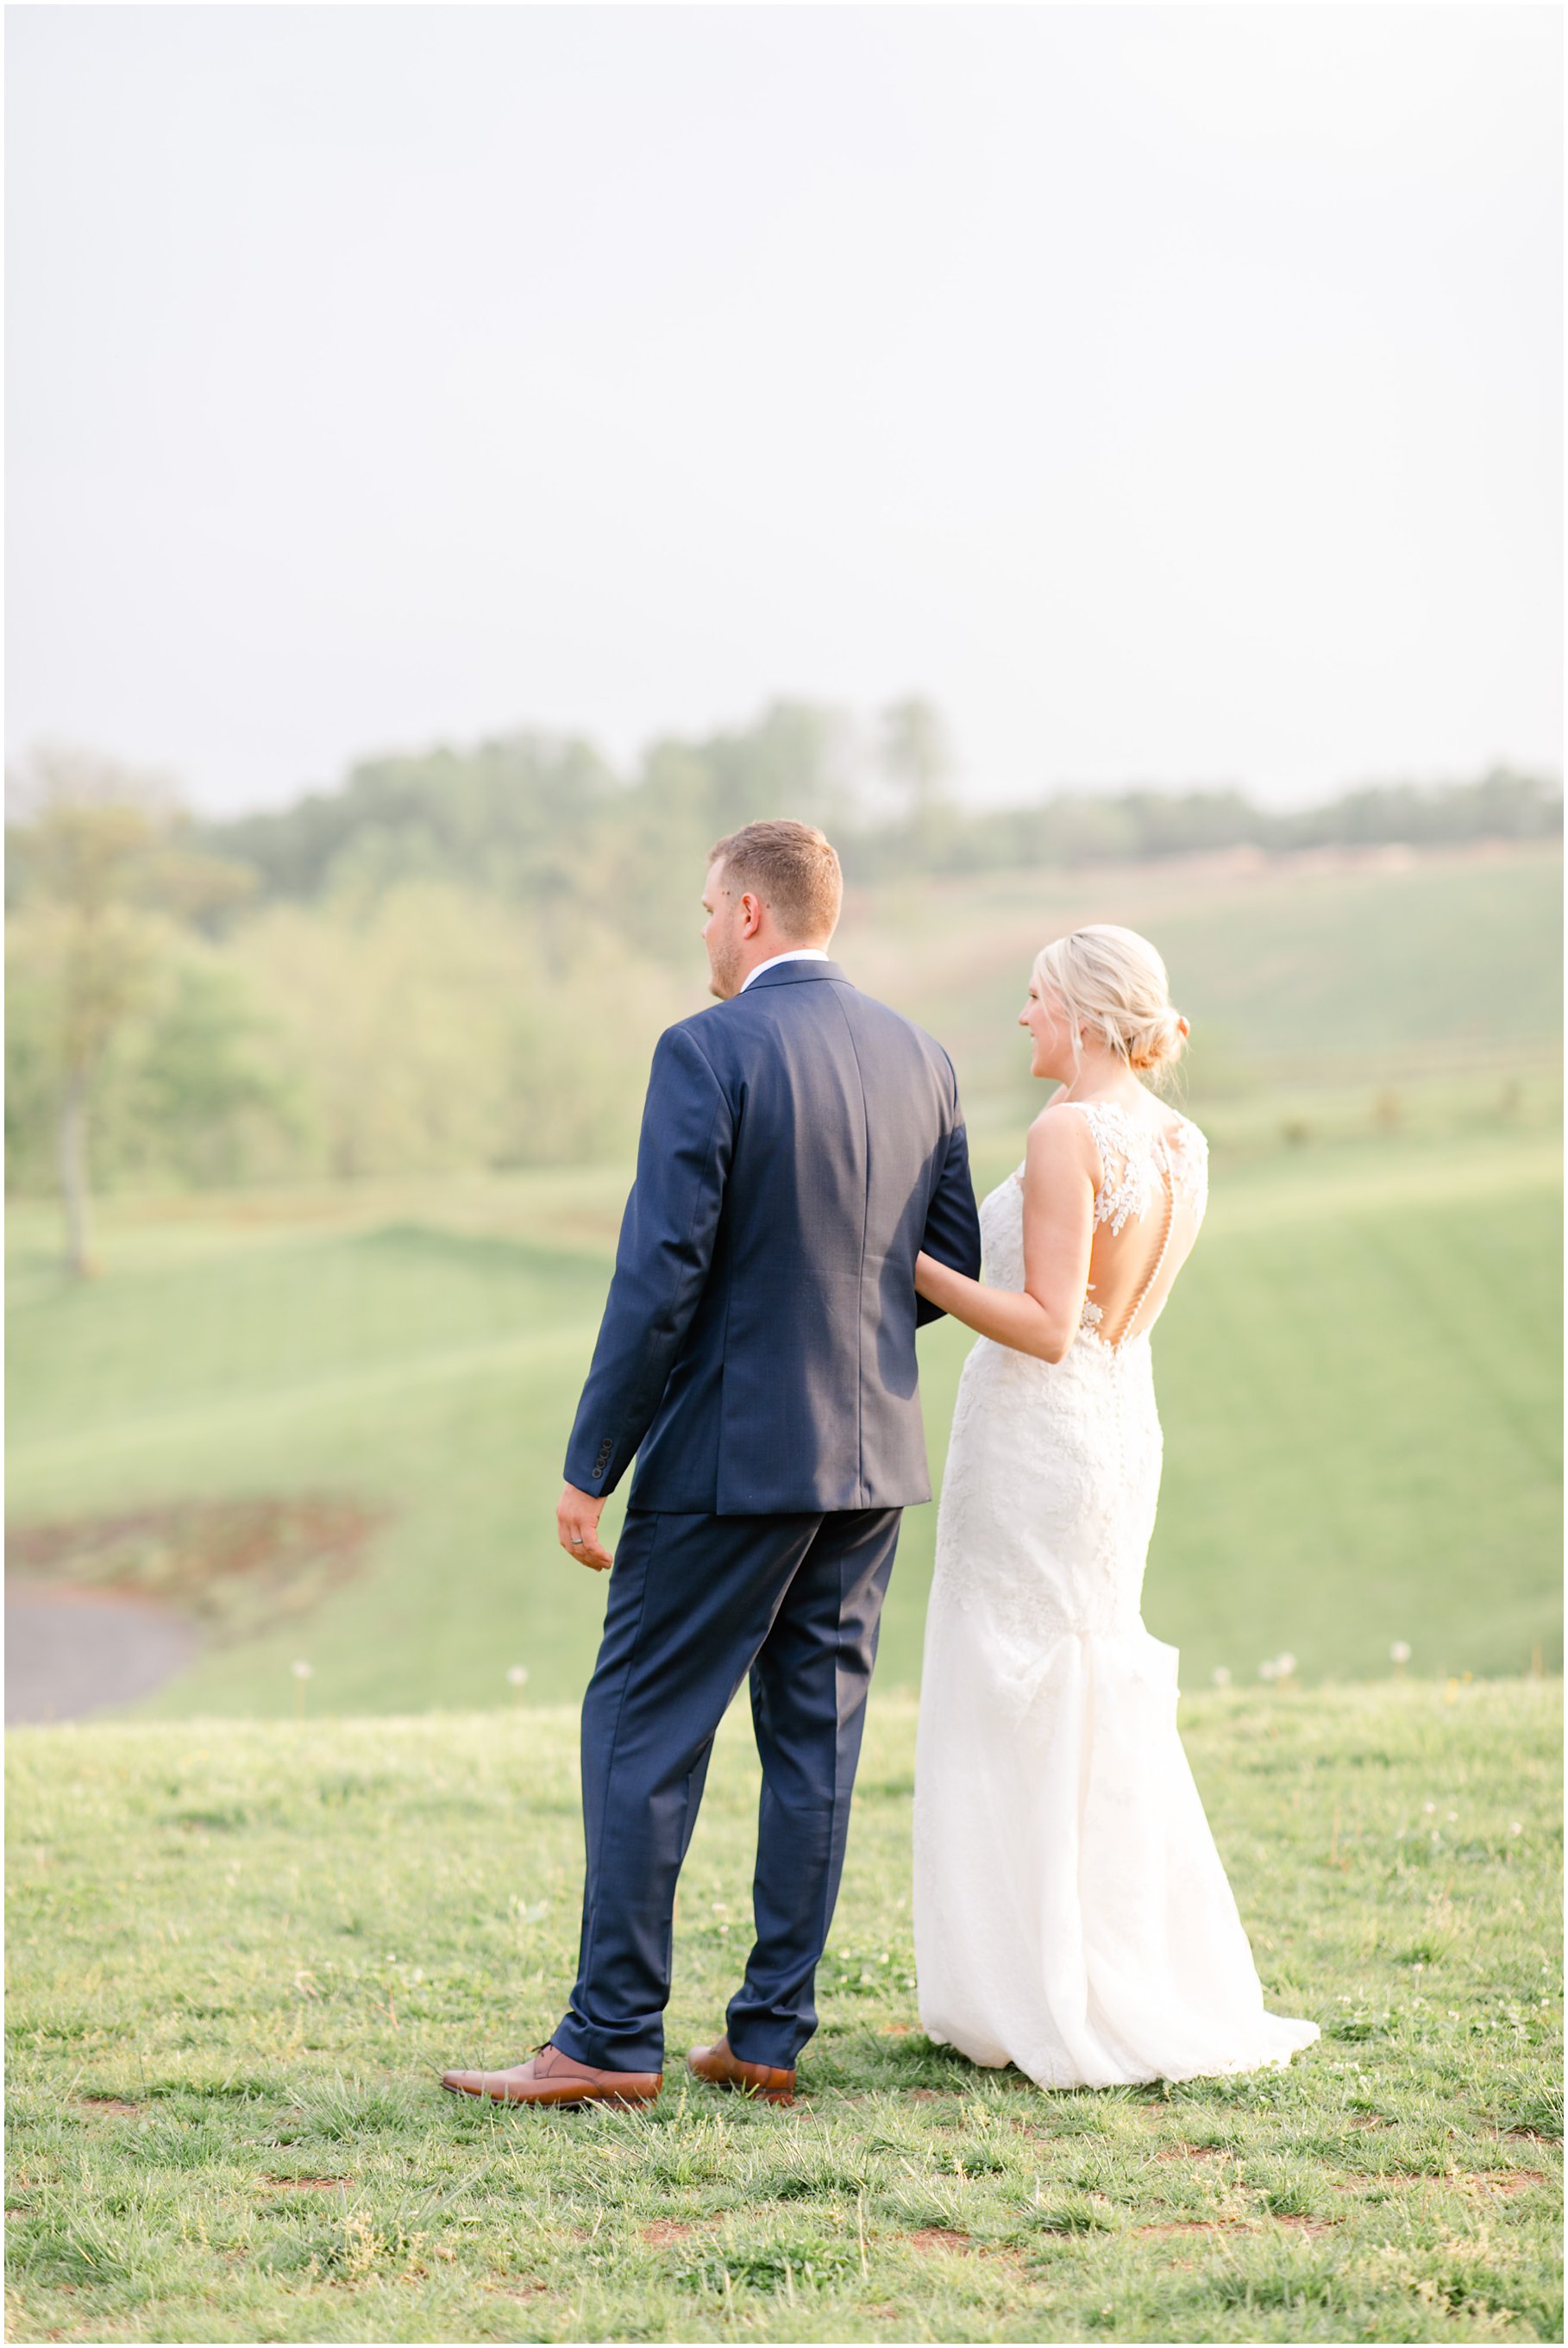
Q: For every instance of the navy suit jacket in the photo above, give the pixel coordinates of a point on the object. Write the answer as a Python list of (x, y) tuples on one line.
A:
[(799, 1144)]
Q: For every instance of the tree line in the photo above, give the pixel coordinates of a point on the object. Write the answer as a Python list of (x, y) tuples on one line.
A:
[(461, 958), (526, 816)]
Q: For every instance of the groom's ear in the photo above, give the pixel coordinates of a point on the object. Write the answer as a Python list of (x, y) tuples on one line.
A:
[(751, 911)]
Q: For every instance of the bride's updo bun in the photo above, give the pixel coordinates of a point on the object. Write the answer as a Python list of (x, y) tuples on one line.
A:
[(1112, 985)]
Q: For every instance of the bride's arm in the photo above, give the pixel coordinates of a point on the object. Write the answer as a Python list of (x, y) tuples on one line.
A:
[(1042, 1318)]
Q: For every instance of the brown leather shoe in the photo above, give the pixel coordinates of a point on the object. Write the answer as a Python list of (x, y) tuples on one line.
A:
[(720, 2068), (551, 2077)]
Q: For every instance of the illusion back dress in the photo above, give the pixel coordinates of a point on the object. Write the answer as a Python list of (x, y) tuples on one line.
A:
[(1071, 1914)]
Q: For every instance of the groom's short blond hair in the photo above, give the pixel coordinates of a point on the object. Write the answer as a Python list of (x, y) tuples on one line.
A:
[(793, 868)]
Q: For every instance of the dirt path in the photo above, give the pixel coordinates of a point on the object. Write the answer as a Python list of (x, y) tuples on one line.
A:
[(71, 1651)]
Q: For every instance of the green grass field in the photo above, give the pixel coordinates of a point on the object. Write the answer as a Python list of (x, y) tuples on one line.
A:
[(241, 1953), (1358, 1378), (1296, 974), (242, 1946), (1359, 1373)]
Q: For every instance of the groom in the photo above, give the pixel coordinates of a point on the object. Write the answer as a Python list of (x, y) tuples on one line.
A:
[(800, 1143)]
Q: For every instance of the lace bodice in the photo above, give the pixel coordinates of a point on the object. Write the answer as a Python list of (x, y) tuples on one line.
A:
[(1142, 1169), (1134, 1157)]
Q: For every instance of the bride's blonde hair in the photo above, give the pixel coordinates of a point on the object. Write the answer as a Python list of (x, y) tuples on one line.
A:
[(1112, 983)]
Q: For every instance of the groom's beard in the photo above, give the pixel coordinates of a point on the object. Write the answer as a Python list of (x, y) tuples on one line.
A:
[(723, 971)]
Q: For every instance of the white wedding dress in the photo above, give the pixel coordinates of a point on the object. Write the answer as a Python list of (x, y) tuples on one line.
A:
[(1071, 1914)]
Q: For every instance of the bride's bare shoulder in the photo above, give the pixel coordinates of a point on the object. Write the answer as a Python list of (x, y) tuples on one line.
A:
[(1058, 1118), (1059, 1140)]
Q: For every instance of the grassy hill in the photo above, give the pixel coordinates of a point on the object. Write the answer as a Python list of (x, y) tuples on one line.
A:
[(1300, 975), (241, 1954), (1359, 1375)]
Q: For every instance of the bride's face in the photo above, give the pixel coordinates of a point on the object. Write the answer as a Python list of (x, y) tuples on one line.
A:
[(1051, 1033)]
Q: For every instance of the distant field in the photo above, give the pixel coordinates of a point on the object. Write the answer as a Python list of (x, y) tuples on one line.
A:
[(1359, 1377), (1297, 974), (241, 1953), (1359, 1373)]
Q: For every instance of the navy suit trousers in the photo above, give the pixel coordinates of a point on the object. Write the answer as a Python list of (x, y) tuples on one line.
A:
[(697, 1603)]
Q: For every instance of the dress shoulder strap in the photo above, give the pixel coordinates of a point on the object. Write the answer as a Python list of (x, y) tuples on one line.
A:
[(1126, 1162)]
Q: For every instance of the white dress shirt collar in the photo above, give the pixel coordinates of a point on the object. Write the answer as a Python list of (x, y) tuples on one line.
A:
[(796, 954)]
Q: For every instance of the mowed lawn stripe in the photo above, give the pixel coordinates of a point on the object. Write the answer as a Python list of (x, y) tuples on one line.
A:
[(1359, 1408), (1246, 1199), (1348, 1463), (180, 1425), (246, 1324), (1486, 1300)]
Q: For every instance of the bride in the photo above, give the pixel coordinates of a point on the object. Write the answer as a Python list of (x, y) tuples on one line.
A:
[(1071, 1914)]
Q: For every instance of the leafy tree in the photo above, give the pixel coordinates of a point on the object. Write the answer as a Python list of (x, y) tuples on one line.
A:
[(521, 816), (917, 753), (1501, 805), (462, 957), (431, 1030), (210, 1100), (100, 853)]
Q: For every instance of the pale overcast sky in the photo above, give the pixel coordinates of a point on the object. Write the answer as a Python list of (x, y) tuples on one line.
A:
[(1172, 394)]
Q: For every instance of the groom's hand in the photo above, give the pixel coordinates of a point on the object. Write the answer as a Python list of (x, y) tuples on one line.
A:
[(577, 1525)]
